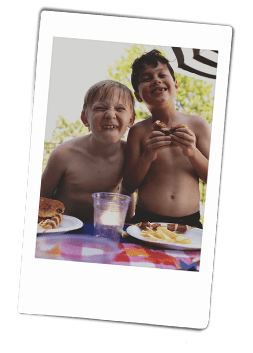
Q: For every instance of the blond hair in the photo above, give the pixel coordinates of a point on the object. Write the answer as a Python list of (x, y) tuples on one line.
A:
[(107, 87)]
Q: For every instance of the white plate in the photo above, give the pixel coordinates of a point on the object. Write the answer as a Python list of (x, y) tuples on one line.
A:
[(68, 223), (195, 234)]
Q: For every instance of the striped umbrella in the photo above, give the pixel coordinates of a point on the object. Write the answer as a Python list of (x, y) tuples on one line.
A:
[(197, 63)]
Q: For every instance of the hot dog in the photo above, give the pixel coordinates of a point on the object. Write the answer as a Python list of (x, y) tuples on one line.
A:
[(51, 223), (177, 227), (144, 225), (148, 225), (170, 226)]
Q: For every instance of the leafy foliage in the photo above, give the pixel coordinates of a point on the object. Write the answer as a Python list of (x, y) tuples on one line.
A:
[(66, 130), (193, 97)]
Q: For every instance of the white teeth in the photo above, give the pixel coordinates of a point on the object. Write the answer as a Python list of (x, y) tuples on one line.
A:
[(110, 127), (160, 90)]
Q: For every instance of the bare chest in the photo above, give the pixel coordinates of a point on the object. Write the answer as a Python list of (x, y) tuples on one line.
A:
[(170, 164), (90, 175), (169, 160)]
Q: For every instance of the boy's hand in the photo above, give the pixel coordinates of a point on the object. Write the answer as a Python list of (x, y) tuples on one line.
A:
[(185, 139), (155, 143)]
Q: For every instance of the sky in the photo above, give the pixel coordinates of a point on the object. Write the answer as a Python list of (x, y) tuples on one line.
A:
[(77, 64)]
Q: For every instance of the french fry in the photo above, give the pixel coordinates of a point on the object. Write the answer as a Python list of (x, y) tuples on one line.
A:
[(180, 239), (168, 232), (186, 241), (163, 234), (169, 240), (149, 234), (160, 234)]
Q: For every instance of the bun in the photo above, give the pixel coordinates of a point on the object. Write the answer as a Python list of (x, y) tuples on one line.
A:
[(173, 129), (160, 126), (50, 213), (49, 208)]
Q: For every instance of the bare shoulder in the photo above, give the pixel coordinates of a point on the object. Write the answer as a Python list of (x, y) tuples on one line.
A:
[(197, 124), (62, 154), (143, 124), (68, 146), (141, 128), (198, 120)]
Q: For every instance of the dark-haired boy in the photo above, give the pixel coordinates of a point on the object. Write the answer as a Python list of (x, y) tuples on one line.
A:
[(165, 169)]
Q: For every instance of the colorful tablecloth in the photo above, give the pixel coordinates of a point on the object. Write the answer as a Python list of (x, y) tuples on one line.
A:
[(80, 245)]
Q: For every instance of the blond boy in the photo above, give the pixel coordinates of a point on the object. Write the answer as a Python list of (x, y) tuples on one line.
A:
[(94, 162)]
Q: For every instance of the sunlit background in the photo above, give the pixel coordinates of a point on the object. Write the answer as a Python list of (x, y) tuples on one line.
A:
[(77, 64)]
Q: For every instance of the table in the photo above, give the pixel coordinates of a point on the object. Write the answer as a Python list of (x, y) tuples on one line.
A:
[(80, 245)]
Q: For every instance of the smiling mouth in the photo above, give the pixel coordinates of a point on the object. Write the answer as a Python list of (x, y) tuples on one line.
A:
[(159, 90), (109, 127)]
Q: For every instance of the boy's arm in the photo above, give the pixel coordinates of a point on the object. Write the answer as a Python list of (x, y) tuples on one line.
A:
[(52, 174), (131, 208), (138, 161), (195, 146)]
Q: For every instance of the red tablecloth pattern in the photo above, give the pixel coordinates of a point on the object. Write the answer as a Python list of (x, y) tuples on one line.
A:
[(92, 249)]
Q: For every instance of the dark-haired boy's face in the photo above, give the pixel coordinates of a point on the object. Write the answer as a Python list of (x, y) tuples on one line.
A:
[(156, 86)]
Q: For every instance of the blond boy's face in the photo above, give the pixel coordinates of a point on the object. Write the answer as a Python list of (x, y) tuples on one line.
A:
[(109, 118)]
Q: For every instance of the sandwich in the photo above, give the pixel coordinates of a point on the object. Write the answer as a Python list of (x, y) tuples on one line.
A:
[(160, 126), (50, 213)]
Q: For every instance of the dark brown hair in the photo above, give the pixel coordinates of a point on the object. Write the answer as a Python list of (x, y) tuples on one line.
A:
[(151, 58)]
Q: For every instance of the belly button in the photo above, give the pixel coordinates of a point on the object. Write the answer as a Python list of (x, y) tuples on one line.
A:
[(172, 196)]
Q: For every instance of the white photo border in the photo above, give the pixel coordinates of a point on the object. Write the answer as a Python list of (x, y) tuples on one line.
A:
[(111, 292)]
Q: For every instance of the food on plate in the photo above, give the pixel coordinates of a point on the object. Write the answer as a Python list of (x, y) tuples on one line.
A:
[(51, 223), (157, 232), (170, 226), (50, 213), (49, 208), (177, 227), (160, 126), (148, 225)]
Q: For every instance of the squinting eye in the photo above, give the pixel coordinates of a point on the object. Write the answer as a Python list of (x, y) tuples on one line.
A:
[(120, 109)]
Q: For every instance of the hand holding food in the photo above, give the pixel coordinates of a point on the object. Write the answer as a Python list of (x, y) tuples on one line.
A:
[(155, 143), (160, 126), (184, 138)]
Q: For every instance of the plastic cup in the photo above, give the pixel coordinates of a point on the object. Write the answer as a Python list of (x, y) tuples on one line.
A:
[(110, 211)]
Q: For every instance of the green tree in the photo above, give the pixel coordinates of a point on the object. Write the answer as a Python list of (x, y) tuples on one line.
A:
[(65, 130), (121, 71), (193, 96)]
